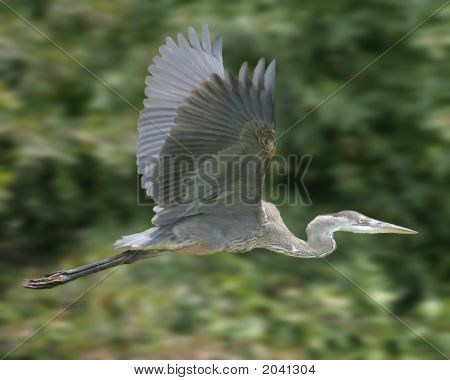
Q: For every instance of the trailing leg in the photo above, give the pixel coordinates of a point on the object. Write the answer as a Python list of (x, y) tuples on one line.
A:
[(61, 277)]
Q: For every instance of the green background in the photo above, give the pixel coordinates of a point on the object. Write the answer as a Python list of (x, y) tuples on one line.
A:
[(68, 187)]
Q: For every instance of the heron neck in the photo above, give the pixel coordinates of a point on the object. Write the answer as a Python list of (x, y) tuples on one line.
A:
[(319, 243), (320, 238)]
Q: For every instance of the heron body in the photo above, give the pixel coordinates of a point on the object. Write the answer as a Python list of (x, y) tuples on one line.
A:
[(205, 141)]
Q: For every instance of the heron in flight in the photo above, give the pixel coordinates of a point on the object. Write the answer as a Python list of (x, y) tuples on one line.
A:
[(205, 141)]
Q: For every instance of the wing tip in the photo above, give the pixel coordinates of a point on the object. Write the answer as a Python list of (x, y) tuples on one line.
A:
[(258, 74), (206, 39), (193, 37), (269, 76), (196, 41), (244, 77), (217, 47)]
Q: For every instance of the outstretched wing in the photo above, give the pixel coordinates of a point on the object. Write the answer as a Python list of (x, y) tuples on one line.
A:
[(205, 138)]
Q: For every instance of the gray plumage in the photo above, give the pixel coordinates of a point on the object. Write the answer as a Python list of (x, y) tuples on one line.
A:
[(205, 141)]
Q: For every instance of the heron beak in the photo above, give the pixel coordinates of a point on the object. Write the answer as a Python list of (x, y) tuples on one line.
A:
[(387, 228)]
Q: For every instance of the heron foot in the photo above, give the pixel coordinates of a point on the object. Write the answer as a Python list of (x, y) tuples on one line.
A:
[(48, 281)]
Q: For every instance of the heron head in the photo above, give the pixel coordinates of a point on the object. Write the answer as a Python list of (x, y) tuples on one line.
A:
[(352, 221)]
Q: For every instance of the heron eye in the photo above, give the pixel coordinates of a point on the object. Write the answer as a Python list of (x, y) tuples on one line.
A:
[(360, 220)]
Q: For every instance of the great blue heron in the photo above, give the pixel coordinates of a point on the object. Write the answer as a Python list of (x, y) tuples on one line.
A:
[(200, 122)]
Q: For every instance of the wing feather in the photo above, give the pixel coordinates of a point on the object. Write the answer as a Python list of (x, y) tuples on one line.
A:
[(180, 69), (202, 118)]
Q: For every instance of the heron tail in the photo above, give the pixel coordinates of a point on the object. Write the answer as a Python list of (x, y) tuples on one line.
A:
[(153, 238)]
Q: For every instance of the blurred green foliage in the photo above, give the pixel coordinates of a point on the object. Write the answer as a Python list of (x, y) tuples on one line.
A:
[(380, 146)]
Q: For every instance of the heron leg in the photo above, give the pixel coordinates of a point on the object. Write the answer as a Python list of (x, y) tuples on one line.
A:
[(61, 277)]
